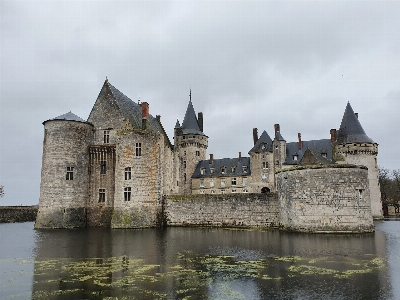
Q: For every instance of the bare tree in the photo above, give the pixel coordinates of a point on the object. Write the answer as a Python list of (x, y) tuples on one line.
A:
[(2, 191)]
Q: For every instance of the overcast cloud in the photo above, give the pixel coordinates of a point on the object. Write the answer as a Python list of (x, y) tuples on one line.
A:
[(249, 64)]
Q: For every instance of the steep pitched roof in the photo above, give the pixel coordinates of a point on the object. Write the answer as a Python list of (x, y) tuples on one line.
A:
[(278, 136), (264, 140), (190, 124), (314, 158), (350, 130), (316, 146), (217, 164)]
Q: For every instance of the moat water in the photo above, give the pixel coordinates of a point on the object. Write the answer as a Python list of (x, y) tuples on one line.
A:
[(198, 263)]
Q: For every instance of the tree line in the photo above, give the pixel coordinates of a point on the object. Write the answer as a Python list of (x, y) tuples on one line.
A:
[(389, 181)]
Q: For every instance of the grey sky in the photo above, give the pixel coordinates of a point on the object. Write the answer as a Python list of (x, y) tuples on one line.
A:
[(249, 64)]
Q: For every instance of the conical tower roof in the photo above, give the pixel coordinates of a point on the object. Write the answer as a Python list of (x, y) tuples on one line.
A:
[(350, 130), (190, 124)]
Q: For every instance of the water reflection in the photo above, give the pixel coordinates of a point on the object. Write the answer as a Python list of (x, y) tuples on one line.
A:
[(206, 263)]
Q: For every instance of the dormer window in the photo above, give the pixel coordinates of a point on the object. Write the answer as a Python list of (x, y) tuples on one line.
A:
[(323, 154), (203, 171), (295, 157), (233, 169), (263, 146), (244, 169), (223, 170), (212, 170)]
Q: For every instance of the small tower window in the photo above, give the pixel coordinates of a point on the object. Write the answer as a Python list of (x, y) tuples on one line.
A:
[(233, 181), (201, 182), (103, 167), (128, 173), (138, 149), (265, 165), (184, 177), (102, 195), (184, 164), (106, 136), (197, 153), (127, 194), (184, 153), (70, 173)]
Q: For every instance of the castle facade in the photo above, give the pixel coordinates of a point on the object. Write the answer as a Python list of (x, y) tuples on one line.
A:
[(117, 168)]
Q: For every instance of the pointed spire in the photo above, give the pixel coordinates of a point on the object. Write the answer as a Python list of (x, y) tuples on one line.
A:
[(350, 130), (190, 124), (190, 95), (177, 125)]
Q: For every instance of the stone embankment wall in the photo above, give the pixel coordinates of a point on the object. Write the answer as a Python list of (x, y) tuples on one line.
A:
[(11, 214), (230, 210), (325, 199)]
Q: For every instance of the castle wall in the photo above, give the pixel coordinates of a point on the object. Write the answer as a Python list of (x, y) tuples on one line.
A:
[(62, 202), (142, 207), (326, 199), (248, 210)]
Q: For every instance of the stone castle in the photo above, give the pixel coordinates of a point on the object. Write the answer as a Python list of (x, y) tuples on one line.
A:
[(119, 169)]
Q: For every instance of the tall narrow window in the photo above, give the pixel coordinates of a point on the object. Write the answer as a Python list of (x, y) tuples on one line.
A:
[(138, 149), (184, 164), (212, 183), (244, 181), (184, 177), (203, 171), (265, 165), (127, 194), (223, 170), (70, 173), (233, 181), (128, 173), (201, 182), (103, 167), (222, 183), (102, 195), (233, 169), (197, 153), (106, 136)]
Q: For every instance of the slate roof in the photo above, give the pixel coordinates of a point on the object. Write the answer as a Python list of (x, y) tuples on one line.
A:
[(264, 140), (223, 162), (350, 130), (190, 124), (316, 146), (69, 116), (278, 136), (317, 158)]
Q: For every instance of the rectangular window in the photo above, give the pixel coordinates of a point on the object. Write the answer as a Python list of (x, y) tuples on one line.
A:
[(264, 177), (202, 192), (184, 164), (128, 173), (212, 183), (233, 169), (212, 191), (201, 182), (138, 149), (244, 181), (245, 191), (222, 182), (233, 191), (233, 181), (203, 171), (223, 170), (127, 194), (106, 136), (70, 173), (222, 191), (102, 195), (197, 153), (265, 165), (212, 170), (244, 168), (103, 168)]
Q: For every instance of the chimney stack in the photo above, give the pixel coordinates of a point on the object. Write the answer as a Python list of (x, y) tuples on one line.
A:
[(255, 135), (300, 143), (200, 120), (356, 114), (145, 115), (277, 128), (333, 135), (240, 156), (211, 159)]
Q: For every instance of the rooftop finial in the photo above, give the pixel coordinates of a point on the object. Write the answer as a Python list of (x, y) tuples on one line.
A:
[(106, 79), (138, 99), (190, 94)]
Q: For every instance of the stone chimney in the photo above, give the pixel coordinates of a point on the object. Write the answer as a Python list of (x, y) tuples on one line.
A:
[(277, 128), (300, 143), (145, 115), (200, 120), (255, 135), (240, 156), (211, 159), (356, 114), (158, 117), (333, 135)]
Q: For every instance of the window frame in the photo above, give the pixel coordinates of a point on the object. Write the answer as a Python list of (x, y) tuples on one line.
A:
[(103, 167), (102, 196), (128, 173), (106, 136), (138, 149), (70, 173), (127, 193)]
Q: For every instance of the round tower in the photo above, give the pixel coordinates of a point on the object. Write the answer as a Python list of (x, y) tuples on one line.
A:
[(353, 146), (190, 148), (65, 178)]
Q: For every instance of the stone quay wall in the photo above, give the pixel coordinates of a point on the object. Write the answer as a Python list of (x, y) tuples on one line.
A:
[(230, 210), (12, 214), (325, 199)]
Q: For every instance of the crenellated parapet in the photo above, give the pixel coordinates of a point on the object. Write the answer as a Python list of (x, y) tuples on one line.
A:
[(357, 148)]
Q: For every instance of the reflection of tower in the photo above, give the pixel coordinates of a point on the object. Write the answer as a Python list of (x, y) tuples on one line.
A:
[(64, 185), (190, 147), (355, 147)]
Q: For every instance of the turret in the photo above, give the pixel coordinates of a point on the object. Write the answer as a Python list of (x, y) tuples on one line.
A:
[(64, 185), (190, 147), (353, 146), (279, 148)]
